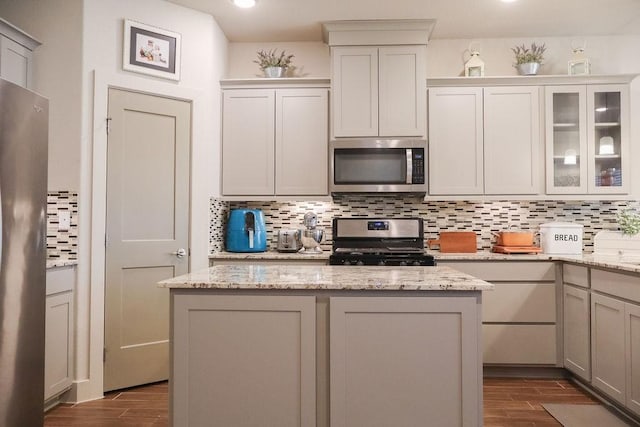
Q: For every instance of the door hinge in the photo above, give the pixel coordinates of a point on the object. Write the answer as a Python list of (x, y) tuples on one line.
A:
[(109, 124), (105, 240), (104, 354)]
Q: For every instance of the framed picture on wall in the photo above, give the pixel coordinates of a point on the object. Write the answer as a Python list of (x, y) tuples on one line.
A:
[(151, 50)]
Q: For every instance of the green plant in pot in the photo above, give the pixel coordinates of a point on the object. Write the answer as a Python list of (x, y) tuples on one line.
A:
[(629, 222), (272, 63), (529, 59)]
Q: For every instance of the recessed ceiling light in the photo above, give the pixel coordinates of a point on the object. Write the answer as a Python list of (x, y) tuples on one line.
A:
[(509, 1), (245, 4)]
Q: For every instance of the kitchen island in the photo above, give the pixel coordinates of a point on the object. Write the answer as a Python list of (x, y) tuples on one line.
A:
[(277, 345)]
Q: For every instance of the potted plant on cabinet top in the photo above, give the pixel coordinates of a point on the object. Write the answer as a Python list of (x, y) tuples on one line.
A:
[(528, 60), (272, 64)]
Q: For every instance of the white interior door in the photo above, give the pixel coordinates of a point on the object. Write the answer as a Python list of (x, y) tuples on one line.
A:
[(147, 231)]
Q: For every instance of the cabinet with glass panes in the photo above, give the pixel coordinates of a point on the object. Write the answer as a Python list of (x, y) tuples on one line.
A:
[(587, 130)]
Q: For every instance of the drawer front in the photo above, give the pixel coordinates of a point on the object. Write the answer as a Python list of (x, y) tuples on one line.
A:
[(520, 302), (519, 344), (60, 279), (617, 284), (513, 271), (575, 275)]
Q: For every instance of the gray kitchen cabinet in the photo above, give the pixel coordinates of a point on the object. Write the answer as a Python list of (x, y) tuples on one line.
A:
[(456, 158), (615, 336), (274, 142), (484, 140), (608, 346), (382, 347), (576, 337), (632, 350), (262, 348), (519, 323), (378, 91), (16, 57), (587, 134), (59, 331)]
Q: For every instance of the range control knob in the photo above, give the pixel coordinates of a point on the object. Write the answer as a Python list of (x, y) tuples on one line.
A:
[(403, 263), (416, 263), (381, 262), (360, 262)]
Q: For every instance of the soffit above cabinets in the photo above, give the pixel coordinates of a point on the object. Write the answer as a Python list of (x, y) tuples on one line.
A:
[(378, 32)]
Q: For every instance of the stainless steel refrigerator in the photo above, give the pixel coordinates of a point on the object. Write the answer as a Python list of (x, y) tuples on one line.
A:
[(23, 200)]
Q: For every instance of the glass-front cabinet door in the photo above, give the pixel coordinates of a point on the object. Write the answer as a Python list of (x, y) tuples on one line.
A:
[(587, 139), (566, 136), (608, 139)]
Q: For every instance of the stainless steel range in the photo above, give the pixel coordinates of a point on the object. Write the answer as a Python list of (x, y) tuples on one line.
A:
[(379, 241)]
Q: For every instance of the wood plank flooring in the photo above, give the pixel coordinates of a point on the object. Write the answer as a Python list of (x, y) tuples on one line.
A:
[(508, 402)]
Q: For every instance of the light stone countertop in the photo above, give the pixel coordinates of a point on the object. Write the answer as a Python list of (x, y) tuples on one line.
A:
[(53, 263), (327, 277), (601, 261)]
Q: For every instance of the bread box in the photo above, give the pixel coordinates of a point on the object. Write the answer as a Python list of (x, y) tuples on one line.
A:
[(561, 238)]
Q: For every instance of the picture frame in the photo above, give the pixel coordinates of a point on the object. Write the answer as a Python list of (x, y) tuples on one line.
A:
[(151, 50)]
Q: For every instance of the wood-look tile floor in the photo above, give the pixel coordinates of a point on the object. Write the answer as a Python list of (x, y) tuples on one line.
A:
[(508, 402)]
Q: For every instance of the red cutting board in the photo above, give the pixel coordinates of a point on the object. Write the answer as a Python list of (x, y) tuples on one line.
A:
[(517, 249), (455, 242)]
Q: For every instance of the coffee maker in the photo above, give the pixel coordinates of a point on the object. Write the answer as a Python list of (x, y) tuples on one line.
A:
[(246, 231)]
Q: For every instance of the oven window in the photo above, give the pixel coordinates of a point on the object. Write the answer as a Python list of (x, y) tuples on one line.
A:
[(370, 166)]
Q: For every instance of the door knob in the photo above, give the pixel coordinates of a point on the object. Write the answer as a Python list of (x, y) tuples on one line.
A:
[(180, 253)]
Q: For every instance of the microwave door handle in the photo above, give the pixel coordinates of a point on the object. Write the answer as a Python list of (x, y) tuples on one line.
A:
[(409, 153)]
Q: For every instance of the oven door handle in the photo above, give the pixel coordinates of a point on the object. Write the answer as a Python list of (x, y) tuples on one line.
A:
[(409, 153)]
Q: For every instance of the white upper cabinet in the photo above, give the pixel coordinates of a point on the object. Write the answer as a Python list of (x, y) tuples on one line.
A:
[(511, 140), (248, 142), (275, 142), (16, 64), (378, 91), (587, 134), (301, 142), (456, 141), (402, 102), (484, 140)]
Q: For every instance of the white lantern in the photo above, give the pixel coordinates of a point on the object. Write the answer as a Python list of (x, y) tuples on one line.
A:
[(579, 63), (474, 67)]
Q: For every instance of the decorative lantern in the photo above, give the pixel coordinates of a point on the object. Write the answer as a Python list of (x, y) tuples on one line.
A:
[(474, 67), (579, 64)]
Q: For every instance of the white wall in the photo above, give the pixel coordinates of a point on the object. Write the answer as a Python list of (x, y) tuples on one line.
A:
[(609, 54), (58, 25), (204, 52), (311, 59)]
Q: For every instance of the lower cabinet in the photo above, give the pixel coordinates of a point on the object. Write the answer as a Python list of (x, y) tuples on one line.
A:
[(615, 336), (577, 348), (519, 315), (386, 354), (230, 350), (58, 364), (246, 358), (607, 346)]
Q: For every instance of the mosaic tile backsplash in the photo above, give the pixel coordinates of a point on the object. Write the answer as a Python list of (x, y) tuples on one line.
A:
[(62, 244), (481, 217)]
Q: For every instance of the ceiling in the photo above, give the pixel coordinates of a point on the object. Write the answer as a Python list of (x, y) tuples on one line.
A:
[(300, 20)]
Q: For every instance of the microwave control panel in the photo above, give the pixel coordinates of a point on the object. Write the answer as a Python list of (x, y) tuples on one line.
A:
[(418, 166)]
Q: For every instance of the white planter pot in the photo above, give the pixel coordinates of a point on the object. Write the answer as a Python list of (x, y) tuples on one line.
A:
[(528, 68), (274, 72), (616, 243)]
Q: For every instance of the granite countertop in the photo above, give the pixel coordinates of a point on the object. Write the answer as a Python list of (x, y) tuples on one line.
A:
[(593, 260), (328, 278), (273, 255), (53, 263)]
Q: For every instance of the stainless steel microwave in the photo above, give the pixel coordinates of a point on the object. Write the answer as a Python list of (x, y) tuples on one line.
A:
[(377, 165)]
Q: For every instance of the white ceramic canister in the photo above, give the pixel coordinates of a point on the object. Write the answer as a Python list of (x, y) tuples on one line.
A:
[(561, 238)]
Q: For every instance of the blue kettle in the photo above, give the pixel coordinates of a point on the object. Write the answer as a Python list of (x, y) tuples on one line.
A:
[(246, 231)]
